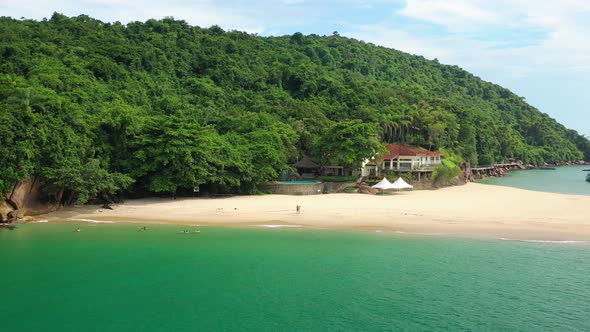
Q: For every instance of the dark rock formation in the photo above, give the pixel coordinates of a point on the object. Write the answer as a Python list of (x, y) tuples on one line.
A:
[(466, 169), (27, 198)]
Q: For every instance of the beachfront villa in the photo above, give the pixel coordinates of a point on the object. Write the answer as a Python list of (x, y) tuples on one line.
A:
[(402, 158), (399, 158)]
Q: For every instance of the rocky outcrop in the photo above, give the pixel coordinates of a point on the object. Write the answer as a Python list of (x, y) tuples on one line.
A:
[(497, 170), (5, 209), (569, 163), (364, 188), (26, 198), (466, 172)]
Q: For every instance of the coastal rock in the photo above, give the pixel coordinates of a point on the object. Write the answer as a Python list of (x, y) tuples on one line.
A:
[(5, 209), (12, 216), (28, 197), (364, 189)]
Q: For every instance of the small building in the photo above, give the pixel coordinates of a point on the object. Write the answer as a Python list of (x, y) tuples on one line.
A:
[(335, 171), (306, 167), (402, 158)]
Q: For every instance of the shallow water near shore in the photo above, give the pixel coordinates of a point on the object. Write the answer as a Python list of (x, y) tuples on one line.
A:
[(565, 180), (112, 277)]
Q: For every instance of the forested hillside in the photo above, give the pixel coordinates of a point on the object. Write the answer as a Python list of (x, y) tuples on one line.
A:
[(93, 108)]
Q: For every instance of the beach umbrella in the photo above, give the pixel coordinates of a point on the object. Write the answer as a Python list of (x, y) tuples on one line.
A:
[(383, 185), (401, 184)]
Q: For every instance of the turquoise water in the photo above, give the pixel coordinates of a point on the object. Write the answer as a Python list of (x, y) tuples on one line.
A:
[(566, 180), (114, 278)]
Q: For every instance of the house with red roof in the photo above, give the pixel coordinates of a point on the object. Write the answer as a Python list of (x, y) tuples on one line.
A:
[(402, 159)]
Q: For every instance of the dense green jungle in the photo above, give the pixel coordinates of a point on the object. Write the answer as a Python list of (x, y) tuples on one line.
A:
[(99, 109)]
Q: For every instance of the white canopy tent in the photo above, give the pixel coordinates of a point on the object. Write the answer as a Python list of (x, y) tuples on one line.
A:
[(383, 185), (401, 184)]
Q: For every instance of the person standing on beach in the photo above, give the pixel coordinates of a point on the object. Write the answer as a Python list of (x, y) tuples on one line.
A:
[(298, 209)]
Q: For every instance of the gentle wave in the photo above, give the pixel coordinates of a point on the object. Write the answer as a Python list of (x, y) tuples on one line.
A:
[(543, 241), (44, 220), (417, 233), (92, 221)]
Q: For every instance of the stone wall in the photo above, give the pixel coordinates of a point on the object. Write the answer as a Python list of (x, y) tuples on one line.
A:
[(294, 189), (337, 187), (306, 189)]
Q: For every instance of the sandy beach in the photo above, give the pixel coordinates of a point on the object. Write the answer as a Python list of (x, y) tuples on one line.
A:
[(472, 210)]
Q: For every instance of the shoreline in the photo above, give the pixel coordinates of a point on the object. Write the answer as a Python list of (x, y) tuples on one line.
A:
[(472, 210)]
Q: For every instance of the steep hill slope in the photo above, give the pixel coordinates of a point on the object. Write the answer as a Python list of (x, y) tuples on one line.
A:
[(91, 107)]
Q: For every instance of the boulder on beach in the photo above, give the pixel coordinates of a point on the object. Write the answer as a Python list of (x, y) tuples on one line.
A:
[(365, 189)]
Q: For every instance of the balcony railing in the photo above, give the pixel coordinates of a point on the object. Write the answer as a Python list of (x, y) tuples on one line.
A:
[(413, 168)]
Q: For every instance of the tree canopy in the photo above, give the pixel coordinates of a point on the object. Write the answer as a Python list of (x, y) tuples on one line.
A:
[(96, 108)]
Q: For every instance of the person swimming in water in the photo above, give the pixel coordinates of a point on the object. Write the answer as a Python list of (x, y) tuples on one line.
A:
[(77, 230)]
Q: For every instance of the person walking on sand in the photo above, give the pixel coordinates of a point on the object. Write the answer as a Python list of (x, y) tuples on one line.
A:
[(298, 209)]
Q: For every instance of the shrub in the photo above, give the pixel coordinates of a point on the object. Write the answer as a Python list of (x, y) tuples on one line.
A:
[(448, 171)]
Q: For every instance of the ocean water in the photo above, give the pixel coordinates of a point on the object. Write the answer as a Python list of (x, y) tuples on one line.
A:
[(566, 180), (111, 277)]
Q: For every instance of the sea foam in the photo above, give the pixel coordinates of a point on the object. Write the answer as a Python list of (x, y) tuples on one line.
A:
[(543, 241), (92, 221)]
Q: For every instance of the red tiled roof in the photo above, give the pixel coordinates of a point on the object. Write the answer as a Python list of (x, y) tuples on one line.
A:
[(433, 153), (400, 150)]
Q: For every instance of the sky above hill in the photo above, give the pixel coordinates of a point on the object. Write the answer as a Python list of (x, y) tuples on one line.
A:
[(537, 49)]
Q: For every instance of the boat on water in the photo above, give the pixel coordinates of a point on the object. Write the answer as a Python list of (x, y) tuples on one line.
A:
[(587, 175)]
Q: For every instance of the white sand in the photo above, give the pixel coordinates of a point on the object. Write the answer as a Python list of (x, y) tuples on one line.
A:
[(473, 209)]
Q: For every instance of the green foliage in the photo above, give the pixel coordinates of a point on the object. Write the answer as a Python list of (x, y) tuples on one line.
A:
[(348, 143), (448, 171), (392, 176), (84, 182), (172, 152), (170, 107), (350, 190)]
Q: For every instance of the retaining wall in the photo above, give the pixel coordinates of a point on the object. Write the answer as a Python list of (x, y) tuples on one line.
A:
[(294, 189)]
